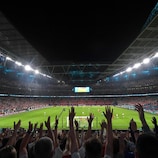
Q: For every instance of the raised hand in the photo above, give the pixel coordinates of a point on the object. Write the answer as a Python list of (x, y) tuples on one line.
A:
[(12, 139), (30, 128), (72, 113), (76, 124), (41, 126), (74, 143), (154, 121), (40, 131), (133, 125), (35, 126), (140, 110), (109, 144), (108, 113), (103, 124), (90, 118), (56, 121), (17, 126), (47, 123)]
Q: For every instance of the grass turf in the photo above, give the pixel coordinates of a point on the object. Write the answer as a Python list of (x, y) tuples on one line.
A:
[(120, 121)]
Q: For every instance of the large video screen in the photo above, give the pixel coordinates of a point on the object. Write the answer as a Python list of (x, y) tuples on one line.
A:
[(81, 89)]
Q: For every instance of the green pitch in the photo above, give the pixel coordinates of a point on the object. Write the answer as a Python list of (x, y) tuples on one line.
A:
[(120, 121)]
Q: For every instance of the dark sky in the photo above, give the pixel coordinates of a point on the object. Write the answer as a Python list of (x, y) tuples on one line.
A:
[(80, 34)]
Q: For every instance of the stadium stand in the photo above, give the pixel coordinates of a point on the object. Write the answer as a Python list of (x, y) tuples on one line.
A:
[(138, 91)]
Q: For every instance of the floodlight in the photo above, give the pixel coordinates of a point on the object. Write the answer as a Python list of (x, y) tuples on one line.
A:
[(36, 71), (9, 58), (18, 63), (156, 55), (49, 76), (136, 65), (43, 74), (146, 60), (129, 69), (28, 68)]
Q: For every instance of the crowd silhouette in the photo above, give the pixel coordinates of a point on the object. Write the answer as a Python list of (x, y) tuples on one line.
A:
[(73, 143)]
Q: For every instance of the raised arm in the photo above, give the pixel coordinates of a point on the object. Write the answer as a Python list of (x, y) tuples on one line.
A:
[(109, 143), (77, 132), (34, 131), (23, 153), (140, 110), (74, 144), (50, 132), (103, 126), (56, 131), (40, 131), (154, 121), (12, 139), (89, 131), (133, 129)]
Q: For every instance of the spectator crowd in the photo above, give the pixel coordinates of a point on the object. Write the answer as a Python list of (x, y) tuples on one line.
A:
[(38, 143)]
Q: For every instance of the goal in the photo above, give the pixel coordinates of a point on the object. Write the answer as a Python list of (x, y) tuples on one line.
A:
[(82, 120)]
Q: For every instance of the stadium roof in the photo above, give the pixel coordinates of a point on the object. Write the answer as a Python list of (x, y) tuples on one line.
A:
[(14, 44)]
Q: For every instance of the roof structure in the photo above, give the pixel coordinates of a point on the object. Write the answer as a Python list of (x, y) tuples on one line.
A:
[(13, 44)]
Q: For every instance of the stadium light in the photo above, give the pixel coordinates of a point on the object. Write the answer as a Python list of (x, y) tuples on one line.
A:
[(48, 76), (9, 58), (28, 68), (18, 63), (44, 75), (36, 71), (129, 69), (146, 60), (137, 65), (156, 55)]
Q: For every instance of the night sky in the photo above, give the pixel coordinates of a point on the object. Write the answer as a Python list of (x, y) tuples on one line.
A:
[(78, 35)]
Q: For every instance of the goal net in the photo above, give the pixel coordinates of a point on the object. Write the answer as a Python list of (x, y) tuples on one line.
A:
[(82, 121)]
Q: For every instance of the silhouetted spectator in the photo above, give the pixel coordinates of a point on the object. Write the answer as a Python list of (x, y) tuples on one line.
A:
[(8, 152), (146, 146)]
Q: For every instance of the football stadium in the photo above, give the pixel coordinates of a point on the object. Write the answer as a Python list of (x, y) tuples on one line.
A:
[(34, 87), (26, 89)]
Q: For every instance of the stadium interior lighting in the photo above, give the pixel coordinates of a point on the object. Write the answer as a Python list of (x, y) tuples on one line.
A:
[(129, 69), (9, 58), (28, 68), (43, 74), (120, 73), (146, 60), (49, 76), (116, 75), (156, 55), (18, 63), (36, 71), (137, 65)]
